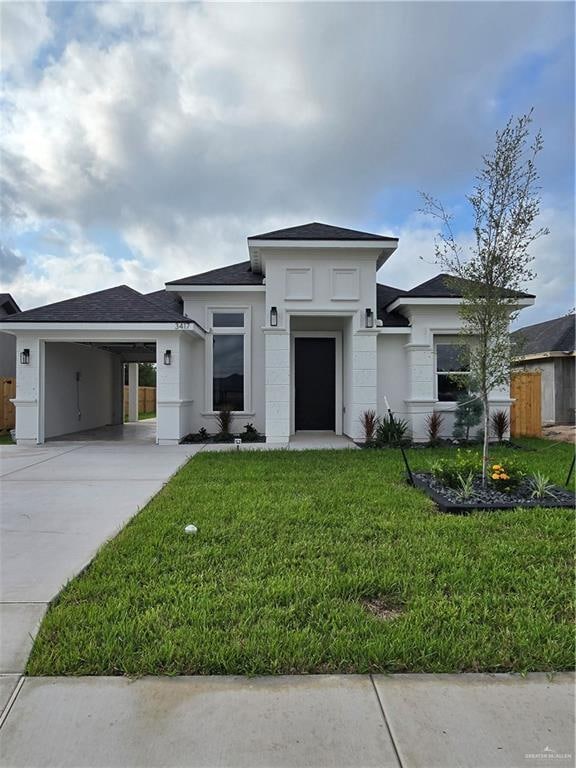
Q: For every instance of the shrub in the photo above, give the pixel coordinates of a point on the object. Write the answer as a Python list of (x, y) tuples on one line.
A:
[(250, 434), (506, 476), (500, 423), (369, 421), (434, 426), (450, 471), (223, 437), (390, 431), (224, 420), (468, 415), (203, 434)]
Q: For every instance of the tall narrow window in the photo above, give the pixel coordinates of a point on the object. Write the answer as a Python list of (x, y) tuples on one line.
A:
[(452, 369), (229, 357), (228, 372)]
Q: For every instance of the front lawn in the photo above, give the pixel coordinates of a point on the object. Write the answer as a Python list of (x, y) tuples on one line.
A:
[(319, 561)]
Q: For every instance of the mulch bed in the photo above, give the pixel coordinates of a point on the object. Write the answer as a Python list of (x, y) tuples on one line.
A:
[(449, 500), (194, 437)]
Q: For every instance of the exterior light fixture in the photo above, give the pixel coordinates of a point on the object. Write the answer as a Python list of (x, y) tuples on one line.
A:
[(369, 318), (25, 357), (273, 317), (168, 357)]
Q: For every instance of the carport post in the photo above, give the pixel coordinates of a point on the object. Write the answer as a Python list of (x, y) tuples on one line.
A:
[(132, 391)]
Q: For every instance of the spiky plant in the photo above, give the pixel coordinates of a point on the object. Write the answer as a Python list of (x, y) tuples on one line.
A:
[(434, 424), (500, 424), (369, 421), (541, 486), (224, 420)]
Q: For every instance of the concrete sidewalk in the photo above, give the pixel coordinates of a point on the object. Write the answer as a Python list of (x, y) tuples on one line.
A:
[(331, 721)]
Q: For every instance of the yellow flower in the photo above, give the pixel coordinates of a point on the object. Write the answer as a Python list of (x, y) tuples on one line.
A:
[(495, 476), (504, 477), (496, 466)]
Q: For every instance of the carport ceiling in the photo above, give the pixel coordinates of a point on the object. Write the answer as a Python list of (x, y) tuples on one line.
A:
[(137, 351)]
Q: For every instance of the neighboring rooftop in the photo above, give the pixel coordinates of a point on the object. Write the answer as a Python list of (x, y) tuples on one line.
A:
[(7, 305), (120, 304), (235, 274), (557, 335), (317, 231)]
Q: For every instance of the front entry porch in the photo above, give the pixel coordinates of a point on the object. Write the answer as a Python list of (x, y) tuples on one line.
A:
[(320, 377), (319, 440)]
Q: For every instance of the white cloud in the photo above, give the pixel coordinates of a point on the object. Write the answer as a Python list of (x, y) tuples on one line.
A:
[(185, 127), (25, 28)]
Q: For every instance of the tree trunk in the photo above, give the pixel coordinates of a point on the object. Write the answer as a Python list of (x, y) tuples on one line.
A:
[(485, 445)]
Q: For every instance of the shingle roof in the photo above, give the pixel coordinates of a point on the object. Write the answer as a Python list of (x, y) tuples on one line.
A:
[(235, 274), (557, 335), (441, 287), (120, 304), (8, 304), (385, 294), (317, 231), (167, 299)]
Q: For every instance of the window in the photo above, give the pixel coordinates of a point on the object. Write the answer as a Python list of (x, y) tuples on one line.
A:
[(228, 372), (228, 319), (227, 357), (451, 369)]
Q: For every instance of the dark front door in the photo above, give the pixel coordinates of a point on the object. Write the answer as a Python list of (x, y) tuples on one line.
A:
[(315, 383)]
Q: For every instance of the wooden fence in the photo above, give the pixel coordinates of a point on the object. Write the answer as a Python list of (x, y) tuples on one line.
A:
[(7, 415), (146, 400), (526, 411)]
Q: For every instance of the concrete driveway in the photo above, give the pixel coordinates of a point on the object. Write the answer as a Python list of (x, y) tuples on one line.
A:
[(59, 504)]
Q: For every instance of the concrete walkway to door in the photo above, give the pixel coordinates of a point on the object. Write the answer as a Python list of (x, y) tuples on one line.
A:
[(59, 503)]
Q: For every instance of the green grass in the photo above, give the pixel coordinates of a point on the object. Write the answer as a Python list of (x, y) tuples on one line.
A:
[(289, 545), (142, 415), (6, 440)]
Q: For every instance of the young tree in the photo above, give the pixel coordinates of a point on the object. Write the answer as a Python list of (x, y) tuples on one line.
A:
[(505, 204)]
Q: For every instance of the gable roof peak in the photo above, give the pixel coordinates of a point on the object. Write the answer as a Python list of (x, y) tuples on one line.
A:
[(316, 230)]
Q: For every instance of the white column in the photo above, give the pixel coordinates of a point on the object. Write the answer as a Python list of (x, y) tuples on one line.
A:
[(363, 389), (29, 400), (132, 391), (169, 403), (277, 351), (118, 391), (421, 398)]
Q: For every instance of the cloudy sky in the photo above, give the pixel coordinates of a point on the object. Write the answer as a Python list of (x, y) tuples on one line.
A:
[(144, 142)]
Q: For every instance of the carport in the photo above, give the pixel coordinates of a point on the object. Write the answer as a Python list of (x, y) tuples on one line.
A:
[(84, 386), (71, 356)]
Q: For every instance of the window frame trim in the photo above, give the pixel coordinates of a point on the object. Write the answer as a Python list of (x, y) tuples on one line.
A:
[(246, 332), (447, 340)]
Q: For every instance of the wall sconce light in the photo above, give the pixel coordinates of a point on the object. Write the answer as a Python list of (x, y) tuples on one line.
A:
[(168, 357), (273, 317), (25, 357), (369, 318)]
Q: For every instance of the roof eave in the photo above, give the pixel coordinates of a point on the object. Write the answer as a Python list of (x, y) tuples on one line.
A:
[(32, 326), (448, 301), (213, 287), (257, 248)]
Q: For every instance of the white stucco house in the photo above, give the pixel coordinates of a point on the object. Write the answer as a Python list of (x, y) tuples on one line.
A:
[(299, 337)]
